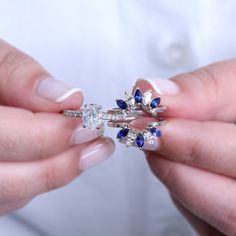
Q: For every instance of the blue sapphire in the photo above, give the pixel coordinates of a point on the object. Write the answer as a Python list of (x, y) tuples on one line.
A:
[(121, 104), (140, 140), (122, 133), (138, 96), (155, 132), (155, 102)]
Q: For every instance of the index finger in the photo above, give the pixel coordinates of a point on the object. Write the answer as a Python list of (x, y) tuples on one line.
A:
[(25, 83)]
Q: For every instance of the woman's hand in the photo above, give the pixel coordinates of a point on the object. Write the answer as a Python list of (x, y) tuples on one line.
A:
[(196, 156), (40, 149)]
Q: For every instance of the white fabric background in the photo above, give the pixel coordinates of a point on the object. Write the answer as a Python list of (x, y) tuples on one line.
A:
[(102, 47)]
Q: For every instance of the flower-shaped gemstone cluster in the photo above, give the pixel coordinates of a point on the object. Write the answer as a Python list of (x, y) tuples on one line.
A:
[(141, 101)]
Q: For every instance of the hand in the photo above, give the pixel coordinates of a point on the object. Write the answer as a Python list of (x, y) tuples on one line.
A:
[(196, 156), (40, 149)]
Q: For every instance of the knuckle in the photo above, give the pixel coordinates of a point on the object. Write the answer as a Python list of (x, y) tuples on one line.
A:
[(229, 226), (49, 176), (194, 155), (207, 82), (14, 189), (170, 176), (11, 62), (38, 136)]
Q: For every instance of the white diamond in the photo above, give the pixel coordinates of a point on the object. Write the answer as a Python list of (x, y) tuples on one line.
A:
[(92, 116), (147, 97), (149, 138), (131, 138)]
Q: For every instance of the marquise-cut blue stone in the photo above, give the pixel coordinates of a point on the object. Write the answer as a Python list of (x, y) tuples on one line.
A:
[(122, 133), (155, 132), (140, 140), (155, 102), (138, 96), (121, 104)]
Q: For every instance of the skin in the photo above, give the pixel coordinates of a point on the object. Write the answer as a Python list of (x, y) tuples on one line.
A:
[(197, 155), (36, 153)]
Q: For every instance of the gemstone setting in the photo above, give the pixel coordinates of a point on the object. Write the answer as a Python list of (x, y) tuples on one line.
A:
[(91, 117), (155, 102), (121, 104), (122, 133), (138, 96), (155, 132), (140, 140)]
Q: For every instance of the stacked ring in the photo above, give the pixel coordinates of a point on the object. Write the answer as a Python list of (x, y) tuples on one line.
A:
[(134, 106)]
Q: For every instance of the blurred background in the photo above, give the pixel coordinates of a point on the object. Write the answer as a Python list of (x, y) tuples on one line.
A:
[(103, 47)]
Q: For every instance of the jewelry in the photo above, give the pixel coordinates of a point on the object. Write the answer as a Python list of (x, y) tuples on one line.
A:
[(135, 105), (93, 117), (135, 137), (141, 101)]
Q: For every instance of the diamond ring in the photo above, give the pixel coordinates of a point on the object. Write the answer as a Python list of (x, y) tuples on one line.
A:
[(93, 117)]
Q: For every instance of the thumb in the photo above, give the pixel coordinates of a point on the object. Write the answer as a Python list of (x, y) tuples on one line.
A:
[(25, 83), (208, 93)]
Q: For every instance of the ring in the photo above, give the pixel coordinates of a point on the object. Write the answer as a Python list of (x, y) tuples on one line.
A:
[(141, 101), (136, 137), (93, 117), (134, 106)]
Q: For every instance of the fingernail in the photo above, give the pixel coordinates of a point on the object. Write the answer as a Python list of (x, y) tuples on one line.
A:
[(83, 135), (55, 90), (96, 152), (161, 86)]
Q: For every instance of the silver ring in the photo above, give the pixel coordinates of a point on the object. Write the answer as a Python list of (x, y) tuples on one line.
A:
[(93, 117)]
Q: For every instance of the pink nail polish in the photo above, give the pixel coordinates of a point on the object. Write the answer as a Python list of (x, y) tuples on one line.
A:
[(161, 86), (96, 152), (83, 135)]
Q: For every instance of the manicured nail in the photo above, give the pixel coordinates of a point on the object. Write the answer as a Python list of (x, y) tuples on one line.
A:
[(96, 152), (83, 135), (161, 86), (55, 90)]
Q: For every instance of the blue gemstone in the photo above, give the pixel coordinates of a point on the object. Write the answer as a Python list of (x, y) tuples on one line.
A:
[(155, 102), (138, 96), (140, 140), (122, 133), (155, 132), (121, 104)]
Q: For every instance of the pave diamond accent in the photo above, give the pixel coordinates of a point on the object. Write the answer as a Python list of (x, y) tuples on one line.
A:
[(91, 117)]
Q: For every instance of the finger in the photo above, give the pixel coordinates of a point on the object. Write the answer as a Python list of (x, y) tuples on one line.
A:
[(208, 145), (208, 93), (25, 83), (28, 179), (209, 196), (201, 227), (27, 136), (12, 206)]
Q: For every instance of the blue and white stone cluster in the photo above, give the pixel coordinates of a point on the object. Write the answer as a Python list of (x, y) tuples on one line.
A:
[(145, 102)]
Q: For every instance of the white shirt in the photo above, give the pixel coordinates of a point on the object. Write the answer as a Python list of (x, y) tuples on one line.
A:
[(113, 42)]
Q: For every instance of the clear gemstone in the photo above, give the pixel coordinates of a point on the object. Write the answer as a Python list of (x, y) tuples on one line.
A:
[(147, 97), (131, 138), (148, 137), (92, 116)]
